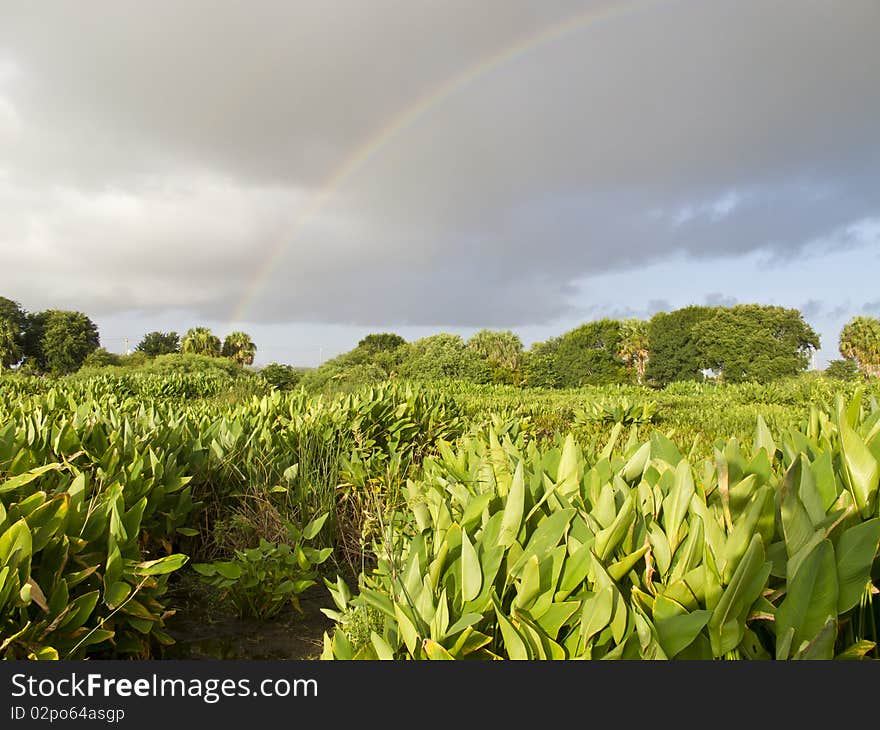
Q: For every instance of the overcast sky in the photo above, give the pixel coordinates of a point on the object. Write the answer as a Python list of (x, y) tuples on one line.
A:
[(311, 172)]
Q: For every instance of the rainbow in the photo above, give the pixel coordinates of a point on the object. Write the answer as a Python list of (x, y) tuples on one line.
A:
[(413, 112)]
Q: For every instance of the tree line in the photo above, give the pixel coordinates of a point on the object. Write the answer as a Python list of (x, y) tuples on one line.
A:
[(59, 342), (746, 342)]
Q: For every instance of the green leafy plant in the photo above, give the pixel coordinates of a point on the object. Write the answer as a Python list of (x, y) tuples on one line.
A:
[(262, 580), (624, 411), (507, 551)]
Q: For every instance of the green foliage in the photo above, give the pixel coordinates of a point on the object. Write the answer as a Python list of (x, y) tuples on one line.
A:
[(754, 342), (200, 341), (625, 411), (84, 560), (58, 341), (673, 350), (100, 358), (634, 348), (139, 463), (588, 355), (239, 347), (381, 342), (704, 520), (194, 364), (13, 322), (444, 357), (860, 342), (539, 365), (12, 311), (10, 344), (281, 377), (376, 358), (503, 350), (262, 580), (134, 359), (843, 370), (505, 550), (342, 375), (159, 343)]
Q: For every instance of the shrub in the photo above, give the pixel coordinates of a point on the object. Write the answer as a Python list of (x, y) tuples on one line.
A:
[(100, 358), (281, 377), (843, 370), (262, 580), (192, 363)]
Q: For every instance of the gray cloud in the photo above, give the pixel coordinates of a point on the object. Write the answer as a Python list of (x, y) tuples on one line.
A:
[(717, 299), (843, 309), (154, 156), (812, 308)]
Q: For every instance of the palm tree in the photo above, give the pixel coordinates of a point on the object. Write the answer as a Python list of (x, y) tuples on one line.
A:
[(860, 341), (634, 346), (239, 347), (503, 349), (201, 341)]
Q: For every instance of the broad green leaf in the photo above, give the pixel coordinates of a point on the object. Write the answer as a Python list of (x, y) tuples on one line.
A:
[(763, 438), (609, 538), (567, 474), (162, 566), (435, 651), (574, 571), (857, 650), (618, 570), (597, 612), (821, 646), (29, 476), (862, 469), (471, 573), (745, 529), (728, 621), (407, 630), (855, 555), (619, 613), (676, 504), (797, 527), (514, 643), (811, 598), (311, 530), (530, 586), (116, 594), (547, 535), (513, 509), (636, 464), (469, 642), (677, 628), (556, 616), (15, 544)]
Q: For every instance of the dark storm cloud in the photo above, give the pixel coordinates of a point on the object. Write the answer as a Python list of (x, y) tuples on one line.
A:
[(154, 156)]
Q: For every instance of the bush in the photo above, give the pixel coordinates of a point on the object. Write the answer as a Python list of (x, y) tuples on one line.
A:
[(191, 363), (588, 355), (843, 370), (135, 360), (445, 357), (100, 358), (338, 376), (262, 580), (281, 377)]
